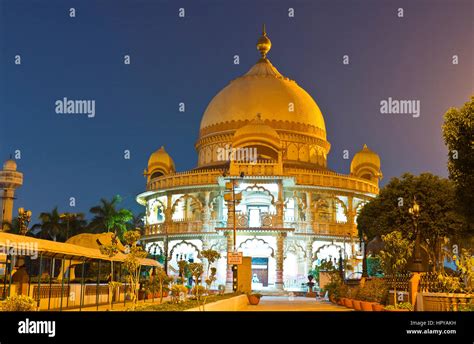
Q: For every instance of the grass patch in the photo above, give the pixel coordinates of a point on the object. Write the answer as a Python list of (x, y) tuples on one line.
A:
[(182, 306)]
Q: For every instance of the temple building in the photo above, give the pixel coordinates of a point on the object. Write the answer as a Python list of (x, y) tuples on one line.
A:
[(267, 135)]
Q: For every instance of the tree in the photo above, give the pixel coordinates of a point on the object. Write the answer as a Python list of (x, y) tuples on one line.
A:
[(212, 256), (163, 280), (51, 226), (136, 223), (182, 266), (75, 223), (13, 227), (389, 212), (132, 262), (458, 134), (108, 218), (394, 257), (110, 251)]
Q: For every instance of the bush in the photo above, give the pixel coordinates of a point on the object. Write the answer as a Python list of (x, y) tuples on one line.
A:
[(176, 291), (374, 290), (221, 289), (18, 303), (335, 287), (198, 291), (401, 305)]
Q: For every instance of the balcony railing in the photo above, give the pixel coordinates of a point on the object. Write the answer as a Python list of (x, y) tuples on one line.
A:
[(267, 221)]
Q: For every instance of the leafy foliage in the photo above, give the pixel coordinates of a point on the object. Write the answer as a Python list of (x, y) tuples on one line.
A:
[(458, 133), (438, 218), (107, 218), (18, 303)]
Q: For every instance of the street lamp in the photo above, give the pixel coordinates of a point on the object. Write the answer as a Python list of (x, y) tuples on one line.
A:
[(417, 263), (24, 218)]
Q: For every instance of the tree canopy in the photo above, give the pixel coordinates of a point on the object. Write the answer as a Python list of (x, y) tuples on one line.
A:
[(458, 133), (388, 212)]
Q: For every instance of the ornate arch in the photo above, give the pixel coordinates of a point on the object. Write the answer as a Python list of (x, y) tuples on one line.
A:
[(315, 255), (185, 197), (153, 248), (295, 248), (186, 243), (259, 240), (255, 187)]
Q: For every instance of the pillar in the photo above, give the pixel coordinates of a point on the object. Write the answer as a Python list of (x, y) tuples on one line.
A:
[(206, 212), (309, 255), (229, 274), (6, 213), (165, 253), (279, 260), (168, 213), (279, 205), (309, 213)]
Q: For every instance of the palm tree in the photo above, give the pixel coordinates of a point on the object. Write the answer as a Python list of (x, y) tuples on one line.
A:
[(108, 218), (136, 223), (51, 225), (11, 227), (75, 223)]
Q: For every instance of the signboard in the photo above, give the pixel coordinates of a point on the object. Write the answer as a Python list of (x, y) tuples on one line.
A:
[(234, 258)]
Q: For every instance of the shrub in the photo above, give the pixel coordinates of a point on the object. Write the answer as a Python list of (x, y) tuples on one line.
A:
[(374, 290), (176, 291), (18, 303), (221, 289), (198, 291), (335, 287), (401, 305)]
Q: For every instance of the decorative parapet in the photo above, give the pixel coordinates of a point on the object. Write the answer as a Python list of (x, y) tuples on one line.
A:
[(335, 229), (188, 178), (331, 179), (303, 177)]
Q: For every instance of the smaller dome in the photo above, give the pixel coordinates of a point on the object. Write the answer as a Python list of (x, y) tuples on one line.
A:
[(160, 163), (366, 162), (9, 165), (256, 132)]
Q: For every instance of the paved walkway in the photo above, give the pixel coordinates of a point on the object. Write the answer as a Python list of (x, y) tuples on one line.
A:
[(300, 304)]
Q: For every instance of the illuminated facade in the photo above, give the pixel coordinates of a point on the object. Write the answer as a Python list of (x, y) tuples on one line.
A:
[(268, 134)]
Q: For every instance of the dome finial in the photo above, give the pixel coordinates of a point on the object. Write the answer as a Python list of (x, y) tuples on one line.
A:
[(264, 44)]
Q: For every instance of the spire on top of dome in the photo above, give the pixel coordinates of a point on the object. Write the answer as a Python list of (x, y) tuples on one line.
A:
[(264, 44)]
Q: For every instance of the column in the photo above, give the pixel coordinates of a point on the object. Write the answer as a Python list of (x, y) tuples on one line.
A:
[(229, 274), (165, 253), (309, 213), (279, 205), (206, 212), (279, 260), (309, 255), (168, 213)]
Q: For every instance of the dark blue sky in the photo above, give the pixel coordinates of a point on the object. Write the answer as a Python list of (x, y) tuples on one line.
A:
[(189, 60)]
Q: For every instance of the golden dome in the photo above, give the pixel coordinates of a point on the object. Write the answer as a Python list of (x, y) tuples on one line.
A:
[(366, 161), (263, 90), (9, 165), (255, 133), (160, 163)]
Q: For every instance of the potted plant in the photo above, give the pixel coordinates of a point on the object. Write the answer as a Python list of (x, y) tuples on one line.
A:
[(254, 298), (400, 307), (373, 293)]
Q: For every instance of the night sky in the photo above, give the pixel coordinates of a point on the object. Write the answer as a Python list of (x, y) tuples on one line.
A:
[(190, 59)]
